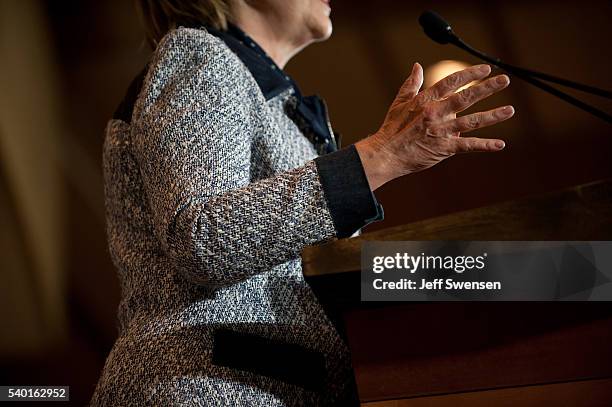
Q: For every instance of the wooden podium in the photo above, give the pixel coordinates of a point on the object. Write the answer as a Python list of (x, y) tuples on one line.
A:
[(476, 353)]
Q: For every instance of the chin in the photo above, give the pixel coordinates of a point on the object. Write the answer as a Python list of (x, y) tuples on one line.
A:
[(323, 30), (329, 29)]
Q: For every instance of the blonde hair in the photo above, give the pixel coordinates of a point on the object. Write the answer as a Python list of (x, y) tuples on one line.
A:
[(161, 16)]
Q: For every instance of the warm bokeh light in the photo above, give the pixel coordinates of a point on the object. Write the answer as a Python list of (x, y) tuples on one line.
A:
[(442, 69)]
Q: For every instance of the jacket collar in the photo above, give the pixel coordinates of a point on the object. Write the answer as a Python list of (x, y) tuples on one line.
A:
[(311, 111), (270, 78)]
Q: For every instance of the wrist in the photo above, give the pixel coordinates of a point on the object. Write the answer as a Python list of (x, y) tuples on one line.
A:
[(376, 162)]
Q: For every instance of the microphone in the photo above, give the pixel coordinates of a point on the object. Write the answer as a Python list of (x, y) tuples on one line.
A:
[(439, 30)]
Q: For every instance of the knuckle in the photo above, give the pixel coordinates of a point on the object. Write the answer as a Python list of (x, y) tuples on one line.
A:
[(436, 92), (429, 111), (458, 146), (490, 84), (402, 97), (473, 121), (466, 95), (448, 148), (453, 80), (408, 84), (468, 146)]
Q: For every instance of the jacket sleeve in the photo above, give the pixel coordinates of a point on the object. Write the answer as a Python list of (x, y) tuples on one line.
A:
[(193, 128)]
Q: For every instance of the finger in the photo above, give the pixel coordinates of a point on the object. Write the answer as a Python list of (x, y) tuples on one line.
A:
[(467, 97), (475, 144), (478, 120), (451, 83), (412, 84)]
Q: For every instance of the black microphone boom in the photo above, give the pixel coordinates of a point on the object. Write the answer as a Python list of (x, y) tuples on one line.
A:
[(441, 32)]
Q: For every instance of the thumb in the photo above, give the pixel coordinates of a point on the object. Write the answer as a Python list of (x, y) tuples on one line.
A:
[(411, 86)]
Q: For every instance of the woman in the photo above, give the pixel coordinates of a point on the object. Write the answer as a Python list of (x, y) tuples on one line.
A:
[(217, 173)]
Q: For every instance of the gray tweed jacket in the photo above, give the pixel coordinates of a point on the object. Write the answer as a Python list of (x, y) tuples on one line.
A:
[(213, 186)]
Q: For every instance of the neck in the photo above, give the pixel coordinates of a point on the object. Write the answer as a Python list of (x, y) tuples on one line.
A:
[(268, 34)]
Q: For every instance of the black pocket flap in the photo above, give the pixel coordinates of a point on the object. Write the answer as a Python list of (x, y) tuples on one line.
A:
[(286, 362)]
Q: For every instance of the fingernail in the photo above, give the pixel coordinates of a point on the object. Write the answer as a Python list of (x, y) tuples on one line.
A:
[(500, 144), (508, 110), (503, 80), (484, 68)]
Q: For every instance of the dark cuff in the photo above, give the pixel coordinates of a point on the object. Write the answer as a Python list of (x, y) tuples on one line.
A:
[(347, 192)]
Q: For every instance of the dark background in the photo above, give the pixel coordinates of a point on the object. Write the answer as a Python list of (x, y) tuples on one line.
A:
[(66, 65)]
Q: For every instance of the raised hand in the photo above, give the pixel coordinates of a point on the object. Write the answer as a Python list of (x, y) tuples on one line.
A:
[(422, 128)]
